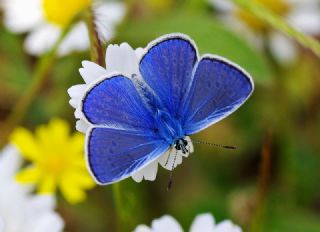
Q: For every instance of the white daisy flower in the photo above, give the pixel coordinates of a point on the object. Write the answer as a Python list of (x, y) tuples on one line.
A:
[(121, 59), (303, 15), (19, 209), (202, 223), (44, 21)]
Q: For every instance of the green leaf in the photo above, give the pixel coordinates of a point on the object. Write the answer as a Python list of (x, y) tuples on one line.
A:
[(15, 72), (209, 36)]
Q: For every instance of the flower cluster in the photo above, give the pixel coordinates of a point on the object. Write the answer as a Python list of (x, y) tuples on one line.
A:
[(301, 14), (202, 223), (45, 21)]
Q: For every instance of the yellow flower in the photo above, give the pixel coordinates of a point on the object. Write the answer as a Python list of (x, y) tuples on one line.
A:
[(57, 160), (62, 12), (279, 7)]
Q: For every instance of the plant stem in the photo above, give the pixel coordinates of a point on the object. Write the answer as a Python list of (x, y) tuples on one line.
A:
[(95, 42), (40, 74), (264, 181), (121, 218), (261, 12)]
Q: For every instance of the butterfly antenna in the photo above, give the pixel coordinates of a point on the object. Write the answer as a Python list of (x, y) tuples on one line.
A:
[(214, 144), (169, 187)]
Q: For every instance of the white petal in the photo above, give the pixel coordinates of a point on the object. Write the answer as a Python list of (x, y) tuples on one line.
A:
[(108, 15), (166, 224), (42, 39), (139, 52), (49, 222), (142, 228), (223, 5), (76, 40), (148, 173), (21, 15), (91, 71), (123, 59), (203, 222), (10, 161), (42, 203), (306, 19), (2, 226), (76, 92), (283, 49), (227, 226), (82, 126), (78, 113), (137, 176)]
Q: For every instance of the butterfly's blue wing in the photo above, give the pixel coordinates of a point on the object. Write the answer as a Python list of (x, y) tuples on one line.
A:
[(167, 68), (114, 154), (218, 89), (122, 138), (115, 102)]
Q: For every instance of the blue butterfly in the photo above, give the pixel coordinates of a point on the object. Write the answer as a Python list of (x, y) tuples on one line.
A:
[(135, 120)]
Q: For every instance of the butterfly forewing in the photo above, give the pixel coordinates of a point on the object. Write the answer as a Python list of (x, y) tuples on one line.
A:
[(167, 69)]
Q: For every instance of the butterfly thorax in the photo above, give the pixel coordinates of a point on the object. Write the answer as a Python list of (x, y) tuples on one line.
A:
[(169, 128), (181, 144)]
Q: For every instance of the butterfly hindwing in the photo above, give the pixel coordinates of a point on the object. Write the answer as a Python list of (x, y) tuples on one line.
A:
[(218, 89), (114, 154), (167, 69)]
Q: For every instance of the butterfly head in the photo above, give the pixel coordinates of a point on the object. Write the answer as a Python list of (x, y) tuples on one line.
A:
[(181, 145)]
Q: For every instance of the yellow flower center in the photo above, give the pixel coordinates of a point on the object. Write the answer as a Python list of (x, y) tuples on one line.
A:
[(279, 7), (62, 12), (54, 164)]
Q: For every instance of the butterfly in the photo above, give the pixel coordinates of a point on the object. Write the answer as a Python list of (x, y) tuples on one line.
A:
[(175, 93)]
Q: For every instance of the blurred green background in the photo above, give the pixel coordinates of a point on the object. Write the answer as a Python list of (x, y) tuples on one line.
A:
[(270, 183)]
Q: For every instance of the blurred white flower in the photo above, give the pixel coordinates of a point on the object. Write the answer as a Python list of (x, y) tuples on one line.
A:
[(202, 223), (44, 21), (19, 209), (125, 60), (304, 15)]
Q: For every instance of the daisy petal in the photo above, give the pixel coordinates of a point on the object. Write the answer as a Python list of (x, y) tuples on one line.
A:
[(203, 222), (227, 226), (142, 228), (148, 173), (76, 92), (122, 58), (82, 126), (283, 49), (76, 40), (306, 19), (10, 161), (49, 222), (91, 71), (42, 39), (166, 223), (21, 16)]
